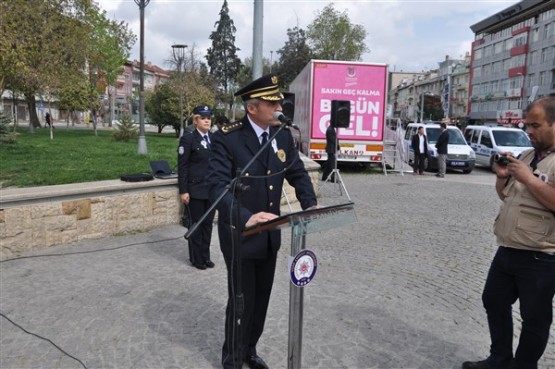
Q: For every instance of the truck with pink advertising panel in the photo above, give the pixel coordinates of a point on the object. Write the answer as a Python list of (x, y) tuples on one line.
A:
[(364, 85)]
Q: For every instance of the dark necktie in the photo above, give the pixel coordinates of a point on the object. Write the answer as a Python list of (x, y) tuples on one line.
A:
[(264, 138), (207, 142)]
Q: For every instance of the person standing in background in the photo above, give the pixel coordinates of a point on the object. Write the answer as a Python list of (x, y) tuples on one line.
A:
[(48, 119), (192, 160), (441, 146), (420, 148)]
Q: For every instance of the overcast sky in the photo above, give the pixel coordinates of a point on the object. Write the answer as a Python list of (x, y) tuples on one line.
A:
[(409, 35)]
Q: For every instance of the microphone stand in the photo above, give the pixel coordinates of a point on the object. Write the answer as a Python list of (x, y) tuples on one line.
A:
[(237, 188)]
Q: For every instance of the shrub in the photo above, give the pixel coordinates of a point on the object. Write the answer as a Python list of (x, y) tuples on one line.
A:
[(6, 137), (125, 130)]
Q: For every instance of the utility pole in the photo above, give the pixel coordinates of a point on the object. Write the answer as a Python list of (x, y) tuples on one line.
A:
[(257, 39), (141, 148)]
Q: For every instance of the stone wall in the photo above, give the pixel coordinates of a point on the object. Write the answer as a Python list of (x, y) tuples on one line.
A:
[(39, 217)]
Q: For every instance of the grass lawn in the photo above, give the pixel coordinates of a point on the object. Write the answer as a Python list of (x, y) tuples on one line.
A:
[(77, 155)]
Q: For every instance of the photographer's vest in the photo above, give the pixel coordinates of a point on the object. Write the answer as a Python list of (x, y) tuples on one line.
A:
[(522, 222)]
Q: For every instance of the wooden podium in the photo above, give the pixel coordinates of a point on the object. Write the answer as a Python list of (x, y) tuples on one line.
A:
[(303, 223)]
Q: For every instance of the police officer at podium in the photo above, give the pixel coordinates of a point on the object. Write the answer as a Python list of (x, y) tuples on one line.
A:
[(233, 147)]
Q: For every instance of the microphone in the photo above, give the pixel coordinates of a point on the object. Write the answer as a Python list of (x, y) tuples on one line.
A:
[(285, 120)]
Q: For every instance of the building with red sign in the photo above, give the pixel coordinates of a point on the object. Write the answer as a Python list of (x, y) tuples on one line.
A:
[(512, 62)]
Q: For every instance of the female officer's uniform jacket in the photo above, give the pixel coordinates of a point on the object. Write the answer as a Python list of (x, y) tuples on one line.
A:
[(192, 164)]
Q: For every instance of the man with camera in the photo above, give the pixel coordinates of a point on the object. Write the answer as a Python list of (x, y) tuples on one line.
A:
[(524, 265)]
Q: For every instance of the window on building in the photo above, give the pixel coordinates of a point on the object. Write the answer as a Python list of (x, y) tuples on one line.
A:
[(521, 39), (477, 54), (534, 58), (516, 82), (494, 86), (487, 51), (477, 71), (546, 55), (487, 70), (546, 31), (498, 47), (518, 60), (532, 80), (508, 44), (506, 64), (505, 84), (515, 104), (535, 34), (543, 79)]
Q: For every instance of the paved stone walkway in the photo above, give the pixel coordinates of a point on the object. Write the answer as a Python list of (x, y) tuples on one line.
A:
[(399, 289)]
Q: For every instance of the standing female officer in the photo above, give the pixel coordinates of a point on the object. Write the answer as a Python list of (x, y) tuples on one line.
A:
[(192, 160)]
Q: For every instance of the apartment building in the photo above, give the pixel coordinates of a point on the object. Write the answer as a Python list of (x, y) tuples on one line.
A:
[(512, 62), (123, 96), (446, 86)]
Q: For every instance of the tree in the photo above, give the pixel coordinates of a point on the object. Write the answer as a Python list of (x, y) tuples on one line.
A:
[(222, 56), (108, 45), (293, 56), (162, 105), (45, 39), (57, 42), (332, 36)]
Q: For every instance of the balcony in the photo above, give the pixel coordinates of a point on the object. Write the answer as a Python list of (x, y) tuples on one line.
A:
[(519, 50), (517, 71)]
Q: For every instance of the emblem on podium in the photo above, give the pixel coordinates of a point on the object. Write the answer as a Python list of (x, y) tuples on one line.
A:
[(303, 268)]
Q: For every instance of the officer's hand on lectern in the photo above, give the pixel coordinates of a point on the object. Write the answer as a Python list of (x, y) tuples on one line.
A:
[(260, 217)]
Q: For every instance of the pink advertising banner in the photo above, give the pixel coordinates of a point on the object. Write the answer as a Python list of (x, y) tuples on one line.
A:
[(363, 85)]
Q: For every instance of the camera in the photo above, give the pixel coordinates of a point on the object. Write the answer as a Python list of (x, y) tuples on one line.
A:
[(501, 160)]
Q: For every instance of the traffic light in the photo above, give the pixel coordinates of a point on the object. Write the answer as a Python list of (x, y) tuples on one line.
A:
[(288, 105), (340, 113)]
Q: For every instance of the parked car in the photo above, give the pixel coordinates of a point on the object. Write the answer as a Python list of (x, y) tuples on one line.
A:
[(459, 154), (487, 141)]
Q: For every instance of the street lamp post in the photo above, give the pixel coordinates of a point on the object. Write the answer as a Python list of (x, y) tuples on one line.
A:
[(271, 59), (141, 149), (179, 56)]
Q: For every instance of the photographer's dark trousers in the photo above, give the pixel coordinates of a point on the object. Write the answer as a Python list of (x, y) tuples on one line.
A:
[(528, 276)]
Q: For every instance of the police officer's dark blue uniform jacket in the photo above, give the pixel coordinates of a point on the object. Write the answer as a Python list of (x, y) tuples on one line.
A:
[(235, 151), (194, 153), (233, 148)]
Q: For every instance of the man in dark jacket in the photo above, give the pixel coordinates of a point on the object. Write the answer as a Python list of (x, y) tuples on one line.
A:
[(441, 146), (233, 147), (420, 148)]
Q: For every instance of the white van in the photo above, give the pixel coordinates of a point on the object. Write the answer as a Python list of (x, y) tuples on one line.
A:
[(487, 141), (459, 155)]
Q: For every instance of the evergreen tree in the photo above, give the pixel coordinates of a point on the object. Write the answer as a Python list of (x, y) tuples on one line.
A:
[(293, 56), (222, 56), (332, 36)]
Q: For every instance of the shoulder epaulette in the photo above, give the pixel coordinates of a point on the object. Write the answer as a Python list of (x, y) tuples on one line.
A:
[(230, 127)]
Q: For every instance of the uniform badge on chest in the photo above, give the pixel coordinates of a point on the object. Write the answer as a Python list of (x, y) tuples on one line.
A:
[(281, 155), (204, 144)]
